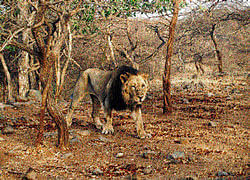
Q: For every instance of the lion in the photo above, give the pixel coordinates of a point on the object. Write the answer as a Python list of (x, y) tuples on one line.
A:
[(121, 89)]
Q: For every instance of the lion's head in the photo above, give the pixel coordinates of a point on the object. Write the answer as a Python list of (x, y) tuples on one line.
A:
[(134, 87)]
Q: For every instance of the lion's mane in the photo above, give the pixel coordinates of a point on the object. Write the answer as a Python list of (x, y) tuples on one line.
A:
[(115, 94)]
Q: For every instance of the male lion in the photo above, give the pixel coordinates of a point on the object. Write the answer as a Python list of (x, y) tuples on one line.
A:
[(123, 88)]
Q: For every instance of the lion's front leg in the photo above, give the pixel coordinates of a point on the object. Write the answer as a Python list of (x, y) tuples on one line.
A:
[(136, 114), (107, 127)]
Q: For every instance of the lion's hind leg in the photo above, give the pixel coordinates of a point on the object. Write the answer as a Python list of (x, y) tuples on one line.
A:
[(108, 127), (96, 106), (80, 91)]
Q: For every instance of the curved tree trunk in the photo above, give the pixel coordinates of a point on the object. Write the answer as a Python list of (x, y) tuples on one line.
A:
[(218, 52), (167, 104), (62, 128)]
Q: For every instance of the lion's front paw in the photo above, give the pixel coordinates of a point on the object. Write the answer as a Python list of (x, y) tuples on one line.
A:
[(144, 135), (98, 124), (107, 129)]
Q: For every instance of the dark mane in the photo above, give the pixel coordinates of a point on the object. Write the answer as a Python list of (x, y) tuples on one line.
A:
[(115, 95)]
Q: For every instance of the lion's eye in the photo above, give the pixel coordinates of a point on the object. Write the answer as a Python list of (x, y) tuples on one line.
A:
[(143, 85)]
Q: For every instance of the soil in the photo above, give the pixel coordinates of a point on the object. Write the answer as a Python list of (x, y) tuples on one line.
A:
[(206, 136)]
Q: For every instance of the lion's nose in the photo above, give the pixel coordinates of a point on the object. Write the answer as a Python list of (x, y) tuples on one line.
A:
[(140, 98)]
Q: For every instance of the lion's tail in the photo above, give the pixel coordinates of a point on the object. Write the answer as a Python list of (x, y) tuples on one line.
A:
[(80, 91)]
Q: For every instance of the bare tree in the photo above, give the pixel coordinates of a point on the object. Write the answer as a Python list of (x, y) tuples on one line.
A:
[(167, 104), (199, 30)]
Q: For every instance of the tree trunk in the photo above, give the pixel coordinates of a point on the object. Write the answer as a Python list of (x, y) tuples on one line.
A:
[(7, 74), (167, 104), (32, 75), (23, 74), (112, 50), (62, 128), (217, 51), (50, 47), (43, 108), (23, 62), (63, 73)]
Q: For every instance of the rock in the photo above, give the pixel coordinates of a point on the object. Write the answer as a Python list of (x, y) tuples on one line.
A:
[(97, 172), (50, 134), (148, 154), (119, 155), (212, 124), (131, 167), (83, 132), (31, 174), (103, 139), (75, 140), (223, 173), (34, 95), (8, 130), (147, 170), (185, 100), (181, 141), (218, 74), (210, 94), (176, 155), (66, 155)]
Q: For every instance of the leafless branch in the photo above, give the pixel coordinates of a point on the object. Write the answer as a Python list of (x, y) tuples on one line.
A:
[(9, 39)]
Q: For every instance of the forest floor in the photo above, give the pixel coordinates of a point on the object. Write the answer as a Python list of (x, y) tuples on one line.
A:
[(206, 136)]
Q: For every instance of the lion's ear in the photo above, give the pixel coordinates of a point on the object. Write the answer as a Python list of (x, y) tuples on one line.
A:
[(145, 76), (124, 77)]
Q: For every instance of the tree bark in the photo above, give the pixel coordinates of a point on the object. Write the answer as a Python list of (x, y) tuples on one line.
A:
[(167, 104), (112, 50), (64, 69), (23, 62), (23, 74), (62, 128), (217, 51), (7, 74), (43, 108)]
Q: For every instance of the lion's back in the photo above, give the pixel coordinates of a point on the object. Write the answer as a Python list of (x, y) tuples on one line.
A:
[(97, 81)]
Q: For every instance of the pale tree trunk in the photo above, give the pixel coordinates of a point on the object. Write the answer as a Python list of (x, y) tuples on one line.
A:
[(58, 63), (23, 62), (167, 104), (61, 74), (32, 75), (7, 74), (111, 47), (23, 74)]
